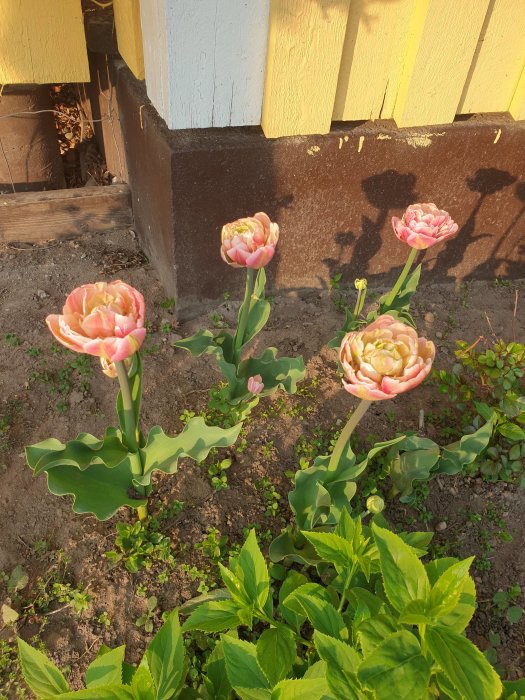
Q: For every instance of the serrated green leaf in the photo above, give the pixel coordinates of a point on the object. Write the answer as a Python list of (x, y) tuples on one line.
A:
[(235, 587), (276, 652), (446, 592), (215, 678), (242, 666), (213, 616), (103, 693), (293, 580), (40, 674), (142, 684), (162, 452), (373, 631), (165, 657), (331, 548), (463, 664), (251, 569), (321, 614), (415, 613), (404, 576), (512, 432), (458, 618), (342, 664), (302, 689), (106, 669), (396, 668)]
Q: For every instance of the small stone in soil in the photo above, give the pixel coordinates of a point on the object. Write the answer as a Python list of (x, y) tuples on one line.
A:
[(441, 526)]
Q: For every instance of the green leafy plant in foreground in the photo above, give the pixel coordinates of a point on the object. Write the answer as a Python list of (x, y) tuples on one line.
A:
[(379, 624)]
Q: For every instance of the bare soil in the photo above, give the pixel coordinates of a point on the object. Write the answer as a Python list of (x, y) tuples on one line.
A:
[(34, 281)]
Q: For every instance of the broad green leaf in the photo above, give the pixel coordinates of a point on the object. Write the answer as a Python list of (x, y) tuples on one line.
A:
[(215, 678), (80, 453), (293, 547), (276, 652), (372, 632), (9, 614), (196, 440), (165, 657), (202, 342), (446, 592), (18, 580), (458, 618), (510, 687), (457, 455), (410, 466), (252, 570), (302, 689), (214, 595), (342, 662), (40, 674), (396, 668), (213, 616), (111, 692), (142, 684), (96, 490), (463, 664), (404, 576), (321, 614), (511, 431), (419, 541), (331, 548), (293, 580), (106, 669), (401, 302), (242, 666), (235, 587), (259, 308), (415, 613)]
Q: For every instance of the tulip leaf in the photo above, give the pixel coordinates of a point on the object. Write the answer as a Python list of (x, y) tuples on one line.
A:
[(135, 385), (97, 489), (162, 452), (459, 454), (276, 372), (81, 453), (259, 308), (400, 305), (416, 459)]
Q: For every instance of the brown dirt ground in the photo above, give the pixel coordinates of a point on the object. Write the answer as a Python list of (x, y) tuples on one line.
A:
[(34, 281)]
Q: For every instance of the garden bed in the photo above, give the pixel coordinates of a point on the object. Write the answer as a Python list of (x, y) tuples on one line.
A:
[(46, 392)]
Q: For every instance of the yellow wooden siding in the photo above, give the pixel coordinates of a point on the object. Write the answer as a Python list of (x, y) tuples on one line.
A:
[(42, 41), (443, 38), (499, 60), (129, 34), (305, 42), (517, 105), (372, 59)]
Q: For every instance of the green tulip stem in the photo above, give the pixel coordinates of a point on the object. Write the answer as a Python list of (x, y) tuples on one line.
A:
[(346, 586), (404, 272), (347, 432), (245, 313), (130, 431)]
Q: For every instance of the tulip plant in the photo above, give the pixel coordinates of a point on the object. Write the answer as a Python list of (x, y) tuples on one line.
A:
[(247, 243), (107, 320)]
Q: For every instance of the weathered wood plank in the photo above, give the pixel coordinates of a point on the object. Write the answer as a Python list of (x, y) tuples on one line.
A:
[(442, 40), (36, 216), (517, 105), (305, 44), (372, 60), (499, 60), (42, 42), (129, 35)]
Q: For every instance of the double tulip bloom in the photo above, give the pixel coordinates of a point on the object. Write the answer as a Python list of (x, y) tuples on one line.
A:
[(384, 359), (249, 242), (105, 319), (424, 225)]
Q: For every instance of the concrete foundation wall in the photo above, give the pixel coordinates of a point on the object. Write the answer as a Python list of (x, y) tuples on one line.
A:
[(333, 196)]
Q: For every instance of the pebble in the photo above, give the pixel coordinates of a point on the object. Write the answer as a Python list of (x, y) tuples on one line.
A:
[(429, 317), (453, 490), (441, 526), (439, 334), (41, 294)]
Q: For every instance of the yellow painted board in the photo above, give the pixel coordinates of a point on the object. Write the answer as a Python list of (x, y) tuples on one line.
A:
[(129, 34), (442, 40), (372, 59), (499, 60), (42, 41), (517, 105), (305, 43)]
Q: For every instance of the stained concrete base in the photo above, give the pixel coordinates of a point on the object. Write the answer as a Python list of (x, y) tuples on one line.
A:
[(333, 196)]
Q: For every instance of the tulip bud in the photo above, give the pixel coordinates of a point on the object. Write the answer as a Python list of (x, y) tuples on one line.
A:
[(360, 284), (255, 384), (375, 504), (249, 242)]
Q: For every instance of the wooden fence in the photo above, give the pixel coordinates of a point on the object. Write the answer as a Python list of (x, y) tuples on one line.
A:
[(293, 66)]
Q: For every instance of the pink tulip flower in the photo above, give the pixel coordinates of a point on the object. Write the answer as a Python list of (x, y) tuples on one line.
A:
[(105, 319), (384, 359), (424, 225), (249, 242), (255, 384)]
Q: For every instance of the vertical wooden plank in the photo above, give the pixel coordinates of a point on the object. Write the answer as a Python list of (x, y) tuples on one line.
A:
[(442, 40), (129, 35), (211, 55), (517, 105), (372, 59), (305, 44), (499, 60), (42, 42)]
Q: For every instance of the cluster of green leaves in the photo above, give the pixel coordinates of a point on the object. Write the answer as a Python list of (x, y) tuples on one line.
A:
[(233, 401), (139, 546), (490, 382), (102, 475)]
